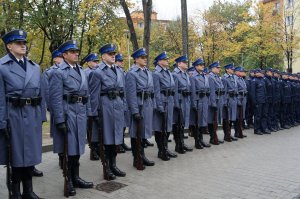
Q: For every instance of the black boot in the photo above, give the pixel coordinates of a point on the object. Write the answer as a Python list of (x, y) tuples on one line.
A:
[(213, 139), (196, 137), (201, 130), (28, 190), (120, 149), (185, 147), (37, 173), (93, 151), (159, 138), (146, 161), (166, 140), (16, 194), (60, 160), (135, 154), (227, 135), (113, 164), (77, 181), (178, 142), (71, 189)]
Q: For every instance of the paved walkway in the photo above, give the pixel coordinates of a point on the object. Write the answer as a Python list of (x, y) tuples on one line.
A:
[(258, 167)]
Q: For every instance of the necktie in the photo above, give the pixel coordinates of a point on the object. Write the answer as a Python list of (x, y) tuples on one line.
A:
[(77, 69), (21, 63), (114, 69)]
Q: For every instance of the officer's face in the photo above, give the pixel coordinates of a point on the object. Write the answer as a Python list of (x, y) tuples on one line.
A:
[(164, 63), (215, 70), (17, 48), (269, 73), (92, 64), (229, 71), (71, 56), (120, 64), (58, 60), (141, 61), (200, 67), (184, 66), (109, 58)]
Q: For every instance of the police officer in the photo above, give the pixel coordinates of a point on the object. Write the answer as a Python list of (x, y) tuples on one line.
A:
[(92, 62), (123, 147), (216, 101), (250, 107), (22, 113), (164, 91), (230, 101), (57, 59), (140, 99), (107, 103), (182, 102), (69, 104), (269, 82), (240, 73), (258, 94), (277, 100), (199, 103)]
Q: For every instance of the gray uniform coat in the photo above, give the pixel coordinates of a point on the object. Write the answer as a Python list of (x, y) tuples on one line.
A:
[(65, 81), (102, 80), (200, 84), (242, 90), (26, 121), (138, 81), (182, 84), (163, 81), (216, 98), (230, 86)]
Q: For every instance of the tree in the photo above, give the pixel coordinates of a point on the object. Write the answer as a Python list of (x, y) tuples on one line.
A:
[(147, 8)]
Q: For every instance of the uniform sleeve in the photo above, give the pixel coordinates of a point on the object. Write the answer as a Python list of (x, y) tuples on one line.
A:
[(212, 97), (194, 96), (43, 102), (253, 91), (225, 96), (45, 88), (131, 91), (159, 103), (56, 96), (3, 105), (95, 89), (88, 104), (176, 96)]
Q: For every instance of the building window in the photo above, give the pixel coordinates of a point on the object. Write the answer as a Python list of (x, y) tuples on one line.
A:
[(141, 25), (289, 3), (289, 20)]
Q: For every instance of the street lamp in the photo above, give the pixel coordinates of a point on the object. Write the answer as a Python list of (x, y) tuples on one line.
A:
[(128, 46)]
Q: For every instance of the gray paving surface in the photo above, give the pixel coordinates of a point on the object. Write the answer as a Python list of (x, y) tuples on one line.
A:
[(258, 167)]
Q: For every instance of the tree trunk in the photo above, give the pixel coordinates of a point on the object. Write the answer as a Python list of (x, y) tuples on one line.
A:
[(185, 40), (147, 8), (133, 36)]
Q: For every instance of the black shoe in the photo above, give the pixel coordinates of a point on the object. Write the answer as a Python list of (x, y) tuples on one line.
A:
[(80, 183), (37, 173), (221, 141), (120, 149), (234, 138), (126, 147), (228, 139), (179, 149), (211, 141), (147, 162), (147, 143), (171, 154), (163, 156), (187, 148), (108, 174), (71, 189), (198, 145), (115, 170), (267, 131), (258, 133)]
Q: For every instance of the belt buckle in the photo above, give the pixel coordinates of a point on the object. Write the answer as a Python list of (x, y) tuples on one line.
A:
[(79, 100), (28, 101)]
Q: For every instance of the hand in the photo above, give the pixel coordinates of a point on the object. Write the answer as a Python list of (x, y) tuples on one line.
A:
[(61, 127), (5, 132), (194, 108), (176, 108), (137, 117)]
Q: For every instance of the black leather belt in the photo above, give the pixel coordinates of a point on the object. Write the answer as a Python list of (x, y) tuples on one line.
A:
[(233, 94), (113, 94), (202, 94), (185, 92), (220, 92), (72, 99), (168, 92), (147, 94), (20, 101), (243, 93)]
